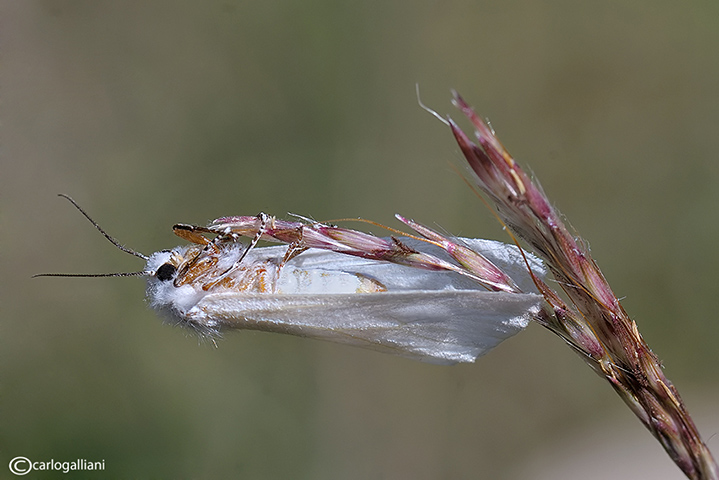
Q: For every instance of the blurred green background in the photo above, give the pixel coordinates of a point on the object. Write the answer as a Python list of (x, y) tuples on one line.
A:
[(152, 113)]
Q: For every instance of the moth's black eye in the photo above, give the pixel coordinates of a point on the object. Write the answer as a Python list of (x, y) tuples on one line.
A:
[(165, 272)]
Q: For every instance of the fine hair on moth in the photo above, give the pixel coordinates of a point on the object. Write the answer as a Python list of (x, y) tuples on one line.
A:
[(436, 299)]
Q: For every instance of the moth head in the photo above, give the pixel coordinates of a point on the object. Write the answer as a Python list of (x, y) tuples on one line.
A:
[(162, 266)]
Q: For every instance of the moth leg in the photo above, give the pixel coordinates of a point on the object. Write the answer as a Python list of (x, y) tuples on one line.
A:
[(293, 249), (209, 250), (192, 233), (264, 220)]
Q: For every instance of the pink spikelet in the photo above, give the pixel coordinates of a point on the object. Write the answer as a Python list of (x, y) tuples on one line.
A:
[(593, 321)]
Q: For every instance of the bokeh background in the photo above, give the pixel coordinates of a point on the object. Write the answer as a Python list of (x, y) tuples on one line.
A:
[(152, 113)]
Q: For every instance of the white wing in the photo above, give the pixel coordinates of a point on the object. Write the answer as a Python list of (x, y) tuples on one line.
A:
[(442, 327)]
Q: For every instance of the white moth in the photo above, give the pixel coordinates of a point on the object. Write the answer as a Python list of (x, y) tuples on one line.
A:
[(437, 316)]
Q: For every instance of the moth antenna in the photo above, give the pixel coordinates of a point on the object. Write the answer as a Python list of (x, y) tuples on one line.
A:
[(427, 109), (105, 234), (118, 274)]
